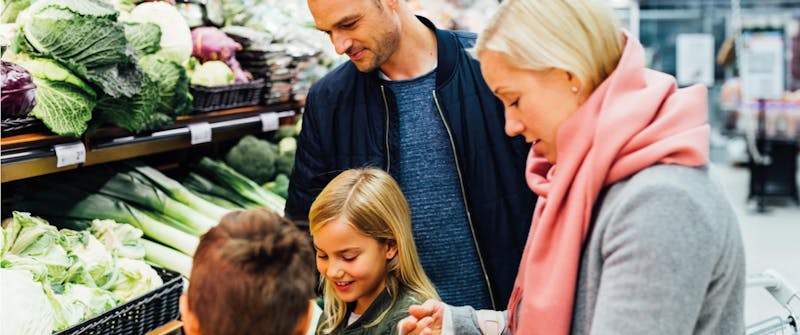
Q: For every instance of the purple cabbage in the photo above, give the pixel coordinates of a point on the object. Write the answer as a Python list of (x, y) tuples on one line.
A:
[(17, 95)]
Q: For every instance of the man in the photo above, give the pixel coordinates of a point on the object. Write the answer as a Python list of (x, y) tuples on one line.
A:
[(412, 101)]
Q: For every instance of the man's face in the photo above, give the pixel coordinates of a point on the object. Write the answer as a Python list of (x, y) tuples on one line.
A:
[(368, 32)]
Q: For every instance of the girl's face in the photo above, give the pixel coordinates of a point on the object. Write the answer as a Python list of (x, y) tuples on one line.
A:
[(354, 264), (536, 102)]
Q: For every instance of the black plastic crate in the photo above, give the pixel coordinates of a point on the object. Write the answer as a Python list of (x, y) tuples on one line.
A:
[(208, 99), (21, 126), (138, 316)]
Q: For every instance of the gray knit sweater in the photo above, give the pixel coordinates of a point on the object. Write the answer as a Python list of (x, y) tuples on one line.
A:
[(665, 256)]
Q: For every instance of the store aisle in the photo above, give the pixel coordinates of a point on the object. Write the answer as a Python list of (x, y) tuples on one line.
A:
[(772, 240)]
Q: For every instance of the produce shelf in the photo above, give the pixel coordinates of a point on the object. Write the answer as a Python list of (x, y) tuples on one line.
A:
[(31, 155)]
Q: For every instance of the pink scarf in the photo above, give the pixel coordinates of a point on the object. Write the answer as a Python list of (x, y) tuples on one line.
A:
[(636, 118)]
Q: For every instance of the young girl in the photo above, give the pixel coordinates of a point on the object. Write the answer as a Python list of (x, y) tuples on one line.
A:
[(366, 255)]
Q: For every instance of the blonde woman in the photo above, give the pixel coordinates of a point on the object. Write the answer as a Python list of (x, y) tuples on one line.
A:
[(366, 257), (629, 235)]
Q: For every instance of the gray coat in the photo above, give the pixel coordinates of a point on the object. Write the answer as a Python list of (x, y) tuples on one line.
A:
[(665, 256)]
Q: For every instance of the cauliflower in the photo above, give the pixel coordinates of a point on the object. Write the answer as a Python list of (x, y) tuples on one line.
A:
[(254, 158)]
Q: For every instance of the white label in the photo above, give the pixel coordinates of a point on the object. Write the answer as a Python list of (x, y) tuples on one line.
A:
[(70, 154), (761, 65), (201, 132), (269, 122), (695, 59)]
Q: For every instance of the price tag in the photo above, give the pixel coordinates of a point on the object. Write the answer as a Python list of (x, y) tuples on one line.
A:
[(201, 132), (70, 154), (269, 122)]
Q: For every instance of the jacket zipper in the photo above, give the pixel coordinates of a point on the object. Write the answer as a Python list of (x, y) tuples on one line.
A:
[(464, 198), (388, 155)]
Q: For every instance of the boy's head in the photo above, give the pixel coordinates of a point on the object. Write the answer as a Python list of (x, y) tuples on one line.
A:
[(252, 274)]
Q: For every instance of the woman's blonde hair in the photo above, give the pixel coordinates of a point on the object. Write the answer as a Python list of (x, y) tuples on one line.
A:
[(581, 37), (371, 201)]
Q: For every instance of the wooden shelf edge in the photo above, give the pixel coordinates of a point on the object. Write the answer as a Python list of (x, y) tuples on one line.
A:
[(100, 155), (173, 327)]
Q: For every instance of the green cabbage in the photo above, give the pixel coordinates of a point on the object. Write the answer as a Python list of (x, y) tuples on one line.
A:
[(144, 37), (86, 38), (26, 310), (136, 278), (94, 256), (132, 113), (122, 240), (213, 73), (63, 101), (34, 267), (173, 84)]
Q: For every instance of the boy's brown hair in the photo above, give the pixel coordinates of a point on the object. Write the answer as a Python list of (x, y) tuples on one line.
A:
[(252, 274)]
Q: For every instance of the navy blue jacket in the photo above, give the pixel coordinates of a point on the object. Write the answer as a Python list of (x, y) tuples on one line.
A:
[(350, 121)]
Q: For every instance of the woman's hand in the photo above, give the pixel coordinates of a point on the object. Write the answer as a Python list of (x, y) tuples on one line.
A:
[(425, 319)]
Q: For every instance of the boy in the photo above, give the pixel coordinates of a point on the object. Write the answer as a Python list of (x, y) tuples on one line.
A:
[(252, 274)]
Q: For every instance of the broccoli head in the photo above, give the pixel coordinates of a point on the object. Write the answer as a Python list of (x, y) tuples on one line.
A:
[(254, 158), (285, 163)]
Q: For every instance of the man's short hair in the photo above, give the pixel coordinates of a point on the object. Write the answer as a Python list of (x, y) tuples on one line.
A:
[(252, 274)]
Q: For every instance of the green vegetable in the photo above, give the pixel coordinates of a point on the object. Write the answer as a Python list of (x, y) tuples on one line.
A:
[(253, 158), (200, 184), (224, 174), (178, 192), (94, 256), (285, 163), (176, 38), (172, 83), (218, 201), (63, 101), (11, 9), (132, 113), (91, 300), (287, 145), (168, 258), (34, 238), (62, 201), (84, 36), (279, 186), (144, 37), (137, 190), (34, 267), (212, 73), (123, 240), (26, 309), (136, 278), (283, 131)]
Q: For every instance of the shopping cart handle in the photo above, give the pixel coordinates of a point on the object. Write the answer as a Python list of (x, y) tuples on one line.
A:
[(780, 289)]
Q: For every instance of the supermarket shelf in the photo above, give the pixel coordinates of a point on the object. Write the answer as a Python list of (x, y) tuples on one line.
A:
[(172, 328), (26, 156)]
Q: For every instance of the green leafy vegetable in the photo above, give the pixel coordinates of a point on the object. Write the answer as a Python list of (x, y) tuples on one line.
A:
[(253, 158), (227, 176), (172, 82), (144, 37), (64, 101), (85, 37), (132, 113)]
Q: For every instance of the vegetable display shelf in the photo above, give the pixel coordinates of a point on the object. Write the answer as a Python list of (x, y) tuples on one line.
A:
[(30, 155)]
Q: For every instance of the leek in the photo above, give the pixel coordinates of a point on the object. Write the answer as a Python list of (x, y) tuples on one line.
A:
[(178, 192), (167, 258), (200, 184), (136, 191), (243, 185), (63, 201)]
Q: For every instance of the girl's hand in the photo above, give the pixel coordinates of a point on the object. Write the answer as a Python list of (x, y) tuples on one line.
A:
[(425, 319)]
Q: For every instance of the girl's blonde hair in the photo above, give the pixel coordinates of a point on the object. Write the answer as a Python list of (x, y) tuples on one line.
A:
[(371, 201), (581, 37)]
